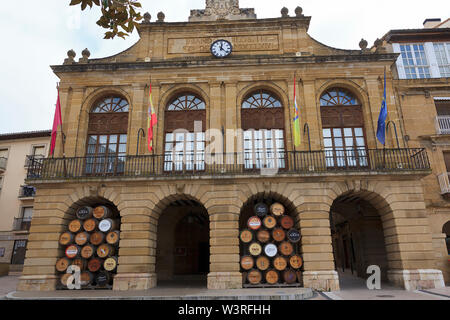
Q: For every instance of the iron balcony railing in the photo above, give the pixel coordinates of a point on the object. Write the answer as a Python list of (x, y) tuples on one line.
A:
[(22, 224), (27, 192), (29, 159), (247, 163), (3, 162), (443, 124)]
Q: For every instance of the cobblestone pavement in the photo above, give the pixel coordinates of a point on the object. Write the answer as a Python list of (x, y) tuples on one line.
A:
[(351, 289)]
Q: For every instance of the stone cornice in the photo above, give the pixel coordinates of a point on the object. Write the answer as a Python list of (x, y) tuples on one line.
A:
[(237, 61)]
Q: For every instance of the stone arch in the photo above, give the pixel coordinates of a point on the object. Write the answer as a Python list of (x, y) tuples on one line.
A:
[(172, 92), (350, 85), (264, 85)]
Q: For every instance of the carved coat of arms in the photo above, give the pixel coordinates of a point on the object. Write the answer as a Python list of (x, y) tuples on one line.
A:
[(222, 8)]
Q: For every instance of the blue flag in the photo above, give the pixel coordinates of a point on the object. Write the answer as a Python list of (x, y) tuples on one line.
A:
[(381, 130)]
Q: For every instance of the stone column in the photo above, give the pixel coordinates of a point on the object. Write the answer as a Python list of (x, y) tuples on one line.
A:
[(224, 244), (49, 221), (314, 222), (137, 253)]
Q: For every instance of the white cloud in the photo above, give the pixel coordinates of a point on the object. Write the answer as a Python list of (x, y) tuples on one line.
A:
[(39, 35)]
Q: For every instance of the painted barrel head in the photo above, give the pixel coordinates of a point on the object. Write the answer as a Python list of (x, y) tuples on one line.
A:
[(255, 249), (254, 223), (270, 250), (294, 235), (261, 209)]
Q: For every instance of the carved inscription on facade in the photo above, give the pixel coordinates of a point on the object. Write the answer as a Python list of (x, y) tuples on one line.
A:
[(240, 44)]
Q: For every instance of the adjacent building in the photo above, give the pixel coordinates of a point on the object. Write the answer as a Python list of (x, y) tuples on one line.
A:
[(17, 197), (229, 78)]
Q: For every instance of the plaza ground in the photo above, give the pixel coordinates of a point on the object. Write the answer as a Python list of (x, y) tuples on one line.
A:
[(352, 288)]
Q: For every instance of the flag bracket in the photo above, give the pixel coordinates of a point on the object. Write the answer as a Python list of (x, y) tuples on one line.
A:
[(395, 131)]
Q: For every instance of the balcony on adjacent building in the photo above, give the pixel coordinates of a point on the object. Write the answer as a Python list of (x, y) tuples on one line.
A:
[(3, 162), (443, 124), (29, 159), (186, 166), (27, 192), (22, 224)]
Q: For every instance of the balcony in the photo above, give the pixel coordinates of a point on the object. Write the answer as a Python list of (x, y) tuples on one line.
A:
[(375, 161), (443, 124), (29, 159), (22, 224), (3, 162), (444, 183), (27, 192)]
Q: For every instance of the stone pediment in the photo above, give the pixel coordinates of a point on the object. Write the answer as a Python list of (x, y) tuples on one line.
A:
[(222, 10)]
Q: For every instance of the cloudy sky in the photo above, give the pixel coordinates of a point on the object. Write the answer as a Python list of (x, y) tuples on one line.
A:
[(37, 34)]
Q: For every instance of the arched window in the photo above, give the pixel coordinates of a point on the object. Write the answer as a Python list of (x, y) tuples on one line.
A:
[(107, 136), (262, 117), (184, 146), (343, 129)]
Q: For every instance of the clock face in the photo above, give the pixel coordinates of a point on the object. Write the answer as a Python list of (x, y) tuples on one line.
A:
[(221, 48)]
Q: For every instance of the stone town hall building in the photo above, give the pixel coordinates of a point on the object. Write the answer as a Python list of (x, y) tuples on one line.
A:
[(354, 202)]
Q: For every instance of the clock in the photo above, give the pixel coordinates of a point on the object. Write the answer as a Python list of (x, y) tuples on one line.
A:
[(221, 48)]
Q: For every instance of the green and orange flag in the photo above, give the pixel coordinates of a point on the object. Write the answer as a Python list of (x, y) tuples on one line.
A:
[(297, 132), (152, 121)]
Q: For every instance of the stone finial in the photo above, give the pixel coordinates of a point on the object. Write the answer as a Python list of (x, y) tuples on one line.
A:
[(147, 17), (70, 57), (161, 17), (378, 43), (363, 44), (86, 54), (299, 12), (285, 12)]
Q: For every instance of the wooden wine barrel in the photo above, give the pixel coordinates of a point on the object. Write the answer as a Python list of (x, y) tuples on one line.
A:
[(272, 277), (66, 238), (296, 262), (113, 238), (85, 213), (294, 236), (82, 238), (88, 251), (90, 225), (64, 279), (110, 264), (289, 276), (270, 250), (86, 278), (102, 212), (75, 226), (246, 236), (255, 249), (254, 223), (278, 234), (108, 225), (263, 236), (261, 209), (270, 222), (280, 263), (247, 263), (286, 248), (103, 278), (62, 264), (277, 209), (287, 222), (95, 264), (105, 250), (97, 238), (262, 263), (254, 277), (80, 263), (73, 251)]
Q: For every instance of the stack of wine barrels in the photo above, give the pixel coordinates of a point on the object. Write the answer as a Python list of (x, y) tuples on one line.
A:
[(91, 243), (269, 248)]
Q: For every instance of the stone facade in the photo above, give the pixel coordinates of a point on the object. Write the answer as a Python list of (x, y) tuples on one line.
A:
[(174, 58)]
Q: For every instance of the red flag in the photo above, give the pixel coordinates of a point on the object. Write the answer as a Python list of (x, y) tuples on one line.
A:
[(57, 121), (152, 121)]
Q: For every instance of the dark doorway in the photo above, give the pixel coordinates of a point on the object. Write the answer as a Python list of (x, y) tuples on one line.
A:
[(183, 247), (20, 248)]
